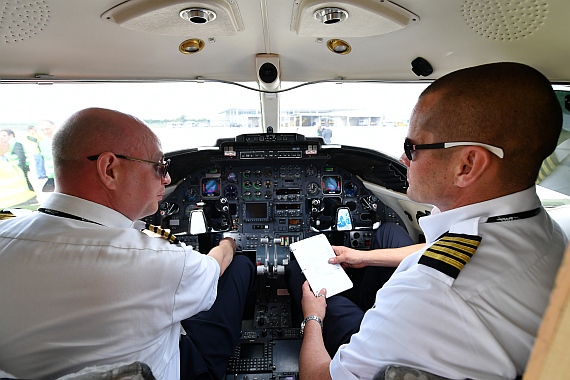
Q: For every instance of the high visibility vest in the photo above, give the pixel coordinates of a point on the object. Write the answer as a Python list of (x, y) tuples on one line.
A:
[(13, 186)]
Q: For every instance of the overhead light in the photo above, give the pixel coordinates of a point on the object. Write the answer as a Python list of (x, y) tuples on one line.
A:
[(198, 15), (330, 15), (338, 46), (191, 46)]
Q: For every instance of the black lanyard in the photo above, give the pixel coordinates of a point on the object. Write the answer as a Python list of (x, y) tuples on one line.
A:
[(157, 230), (515, 216), (62, 214)]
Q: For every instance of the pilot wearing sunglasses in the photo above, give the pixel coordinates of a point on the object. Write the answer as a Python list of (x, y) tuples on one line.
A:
[(92, 289)]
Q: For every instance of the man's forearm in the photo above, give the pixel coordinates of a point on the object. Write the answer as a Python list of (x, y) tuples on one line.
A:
[(314, 360), (390, 257), (223, 253)]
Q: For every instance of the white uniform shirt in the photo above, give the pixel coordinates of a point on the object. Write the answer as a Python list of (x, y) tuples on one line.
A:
[(481, 325), (76, 294)]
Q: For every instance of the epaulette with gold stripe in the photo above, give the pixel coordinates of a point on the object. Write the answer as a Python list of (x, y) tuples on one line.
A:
[(450, 253), (163, 233)]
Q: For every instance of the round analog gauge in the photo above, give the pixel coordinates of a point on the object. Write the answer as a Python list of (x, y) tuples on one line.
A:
[(232, 177), (257, 184), (267, 173), (189, 209), (350, 189), (191, 194), (257, 194), (246, 195), (247, 184), (230, 192), (257, 173), (246, 173), (313, 188), (167, 209), (267, 184), (268, 194)]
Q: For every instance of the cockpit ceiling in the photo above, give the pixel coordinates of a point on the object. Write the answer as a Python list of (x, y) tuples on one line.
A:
[(140, 39)]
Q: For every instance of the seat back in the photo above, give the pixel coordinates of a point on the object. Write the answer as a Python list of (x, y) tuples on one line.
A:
[(394, 372)]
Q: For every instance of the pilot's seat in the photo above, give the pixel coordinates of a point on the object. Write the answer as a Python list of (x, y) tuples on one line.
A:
[(122, 371), (394, 372)]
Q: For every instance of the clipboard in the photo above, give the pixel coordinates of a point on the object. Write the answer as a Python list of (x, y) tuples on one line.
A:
[(313, 254)]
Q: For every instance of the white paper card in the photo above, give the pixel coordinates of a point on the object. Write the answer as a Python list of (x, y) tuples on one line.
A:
[(313, 256)]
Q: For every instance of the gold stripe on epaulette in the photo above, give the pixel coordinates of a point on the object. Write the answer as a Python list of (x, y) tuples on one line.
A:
[(163, 233), (450, 253), (445, 259)]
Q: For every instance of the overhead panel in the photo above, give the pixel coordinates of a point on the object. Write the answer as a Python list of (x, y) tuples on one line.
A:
[(178, 18), (356, 18)]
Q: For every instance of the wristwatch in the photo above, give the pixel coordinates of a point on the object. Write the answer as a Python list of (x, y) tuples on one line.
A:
[(311, 317)]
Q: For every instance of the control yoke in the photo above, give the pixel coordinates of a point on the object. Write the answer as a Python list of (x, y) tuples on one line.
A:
[(200, 224)]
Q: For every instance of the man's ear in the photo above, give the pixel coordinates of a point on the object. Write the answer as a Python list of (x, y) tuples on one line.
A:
[(472, 164), (107, 169)]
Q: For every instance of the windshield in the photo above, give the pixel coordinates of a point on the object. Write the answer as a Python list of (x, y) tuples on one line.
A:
[(185, 115)]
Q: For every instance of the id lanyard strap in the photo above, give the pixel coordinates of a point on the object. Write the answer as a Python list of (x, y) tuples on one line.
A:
[(165, 234), (62, 214), (515, 216)]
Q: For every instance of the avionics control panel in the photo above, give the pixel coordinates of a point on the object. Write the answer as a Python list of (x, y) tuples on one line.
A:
[(250, 201)]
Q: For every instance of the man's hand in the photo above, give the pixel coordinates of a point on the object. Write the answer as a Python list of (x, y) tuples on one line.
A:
[(314, 360), (314, 305), (232, 243), (348, 257)]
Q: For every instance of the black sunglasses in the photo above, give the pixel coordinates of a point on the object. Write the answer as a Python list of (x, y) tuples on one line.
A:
[(162, 166), (409, 148)]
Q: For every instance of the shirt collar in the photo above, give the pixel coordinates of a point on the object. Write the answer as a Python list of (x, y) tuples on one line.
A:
[(88, 210), (440, 222)]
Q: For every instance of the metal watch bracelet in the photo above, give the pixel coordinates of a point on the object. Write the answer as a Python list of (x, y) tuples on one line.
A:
[(309, 318)]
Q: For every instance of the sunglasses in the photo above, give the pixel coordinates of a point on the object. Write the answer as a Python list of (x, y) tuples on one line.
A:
[(410, 148), (162, 166)]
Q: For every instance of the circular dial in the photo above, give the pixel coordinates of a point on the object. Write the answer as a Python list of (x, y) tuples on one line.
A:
[(247, 184), (191, 194), (232, 177), (230, 192), (350, 189), (313, 188), (189, 209)]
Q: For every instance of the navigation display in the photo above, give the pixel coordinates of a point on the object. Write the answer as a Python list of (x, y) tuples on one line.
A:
[(331, 184)]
